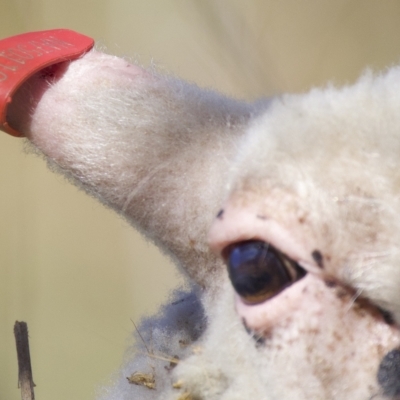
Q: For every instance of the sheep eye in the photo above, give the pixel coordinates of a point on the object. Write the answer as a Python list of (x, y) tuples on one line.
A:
[(258, 271)]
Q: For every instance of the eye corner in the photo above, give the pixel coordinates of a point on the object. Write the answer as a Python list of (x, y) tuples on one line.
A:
[(387, 316)]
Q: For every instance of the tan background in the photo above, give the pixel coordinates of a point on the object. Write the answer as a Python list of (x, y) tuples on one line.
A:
[(73, 270)]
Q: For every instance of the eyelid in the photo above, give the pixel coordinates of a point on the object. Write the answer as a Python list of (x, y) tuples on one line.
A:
[(242, 224)]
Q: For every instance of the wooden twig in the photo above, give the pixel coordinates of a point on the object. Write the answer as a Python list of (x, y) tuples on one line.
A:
[(25, 379)]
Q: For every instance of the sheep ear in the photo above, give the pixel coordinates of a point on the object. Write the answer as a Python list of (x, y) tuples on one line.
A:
[(155, 149)]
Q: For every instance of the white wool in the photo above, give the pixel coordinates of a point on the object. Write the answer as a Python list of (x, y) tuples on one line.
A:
[(317, 173)]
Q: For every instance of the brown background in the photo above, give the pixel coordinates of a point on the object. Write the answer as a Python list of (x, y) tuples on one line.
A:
[(73, 270)]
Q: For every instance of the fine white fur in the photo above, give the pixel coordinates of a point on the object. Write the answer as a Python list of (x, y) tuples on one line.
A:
[(324, 166)]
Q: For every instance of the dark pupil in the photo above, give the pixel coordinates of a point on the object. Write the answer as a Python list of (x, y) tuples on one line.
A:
[(256, 271)]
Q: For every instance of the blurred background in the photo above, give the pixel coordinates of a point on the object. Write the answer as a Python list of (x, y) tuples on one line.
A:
[(74, 271)]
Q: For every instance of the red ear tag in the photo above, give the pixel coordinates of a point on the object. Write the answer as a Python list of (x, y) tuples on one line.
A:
[(23, 55)]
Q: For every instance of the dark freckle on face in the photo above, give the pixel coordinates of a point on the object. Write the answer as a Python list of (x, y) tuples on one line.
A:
[(220, 214), (263, 217), (330, 284), (341, 293), (318, 258), (389, 373)]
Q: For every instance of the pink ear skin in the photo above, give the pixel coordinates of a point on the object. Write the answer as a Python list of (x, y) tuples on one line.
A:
[(27, 97), (36, 88)]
